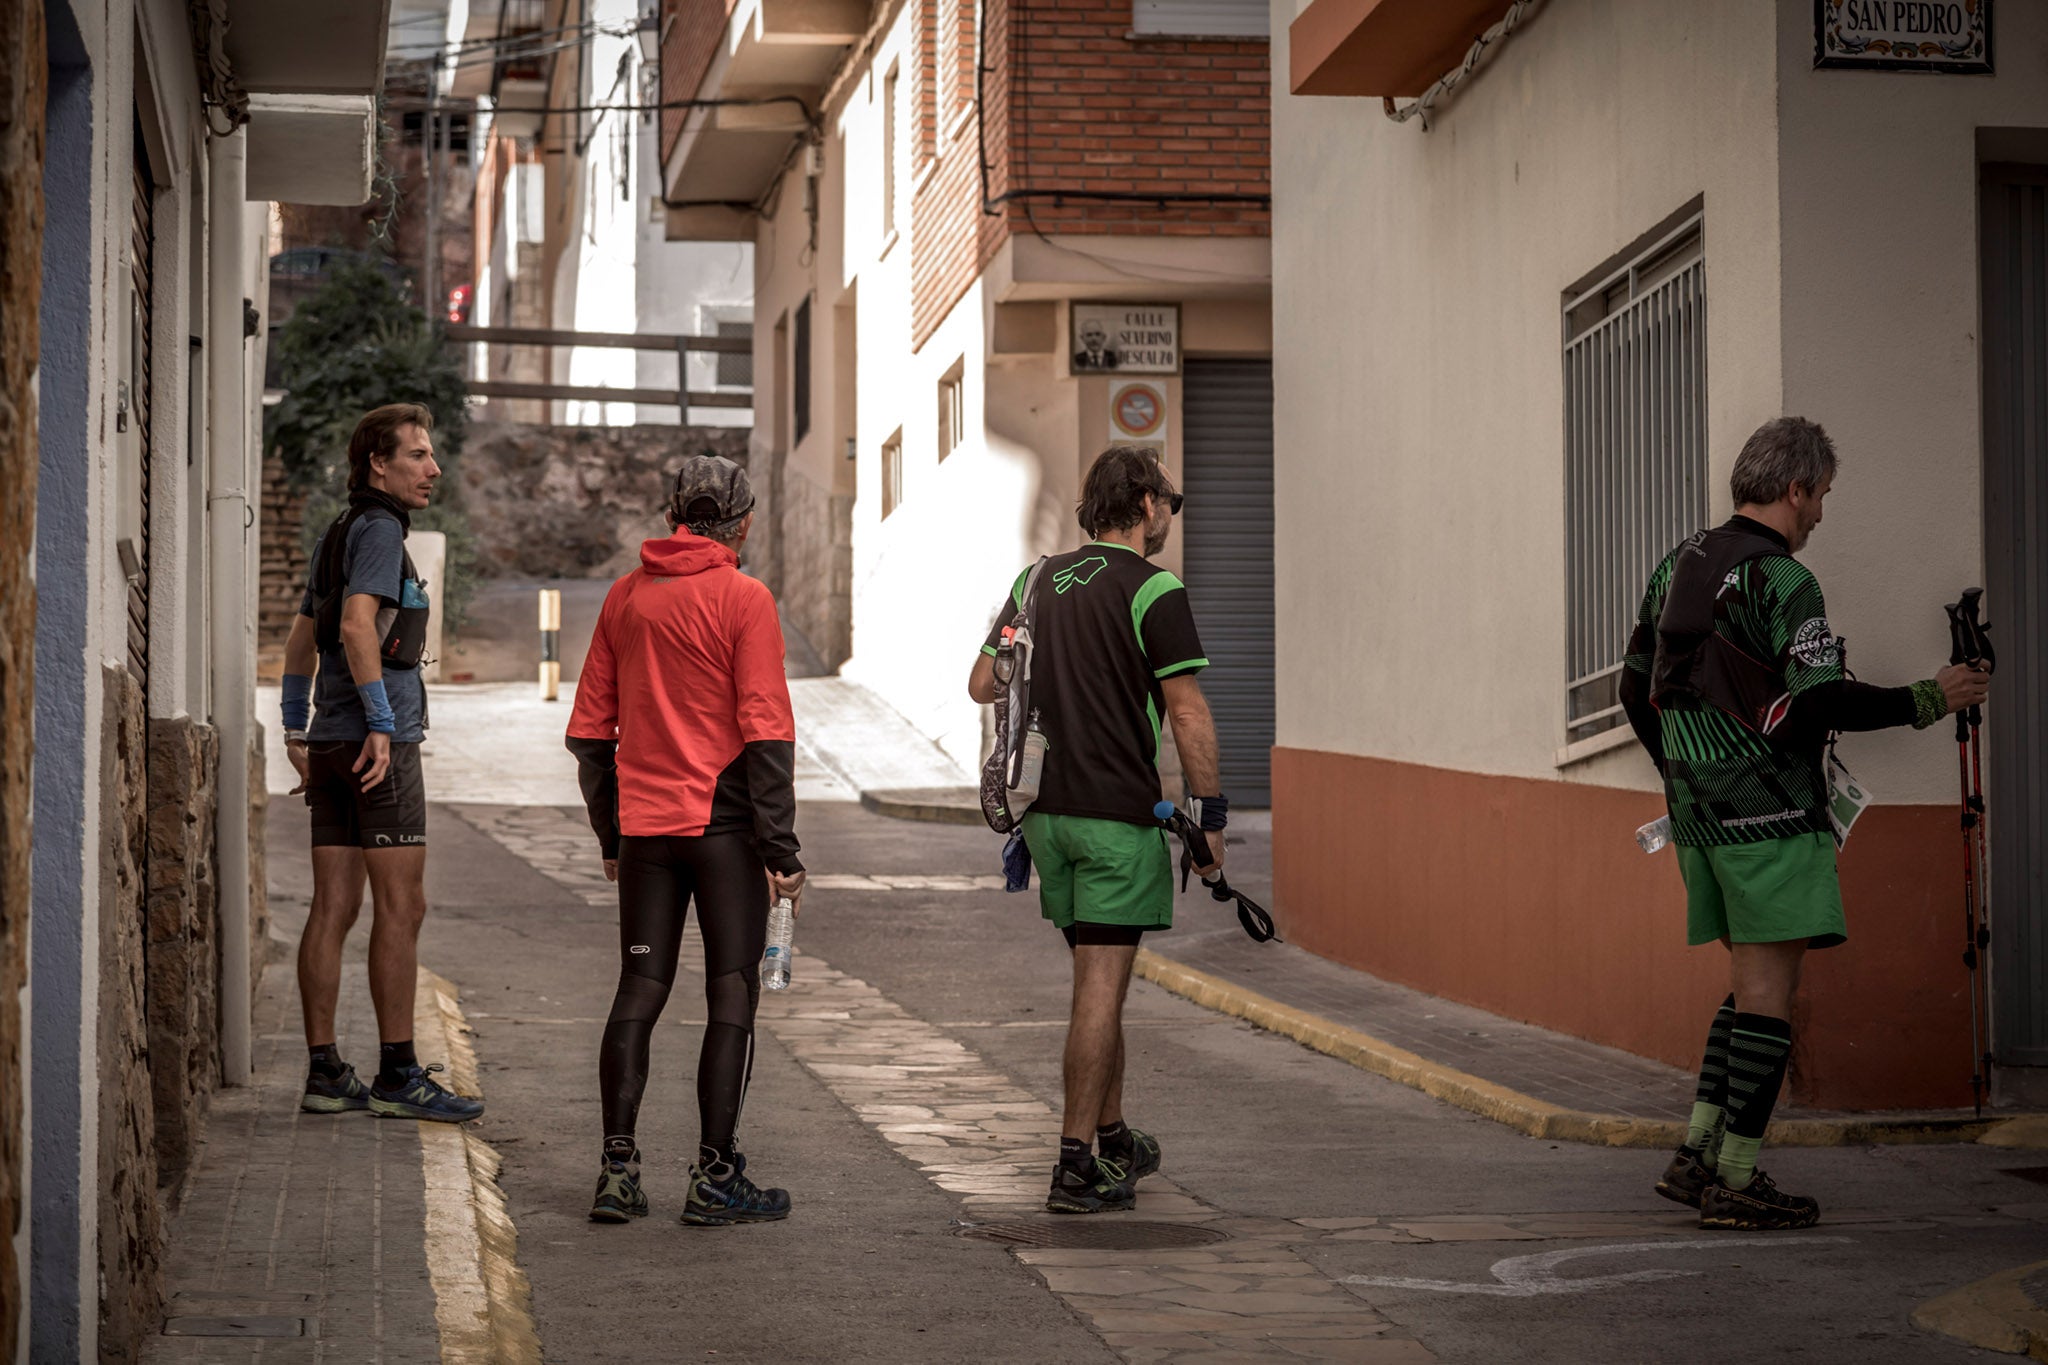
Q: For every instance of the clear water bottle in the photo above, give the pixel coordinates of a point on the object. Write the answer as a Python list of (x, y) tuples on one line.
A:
[(1033, 767), (1654, 835), (781, 929)]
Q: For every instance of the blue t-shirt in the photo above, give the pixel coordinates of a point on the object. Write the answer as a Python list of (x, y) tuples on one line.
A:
[(373, 562)]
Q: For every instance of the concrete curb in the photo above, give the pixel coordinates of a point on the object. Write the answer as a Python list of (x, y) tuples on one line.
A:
[(1995, 1314), (933, 805), (483, 1305), (1524, 1113)]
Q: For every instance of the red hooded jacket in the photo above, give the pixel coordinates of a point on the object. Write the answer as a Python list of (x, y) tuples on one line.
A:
[(682, 723)]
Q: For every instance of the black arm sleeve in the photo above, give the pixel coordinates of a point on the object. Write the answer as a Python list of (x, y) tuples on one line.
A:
[(1642, 717), (1845, 704), (597, 772), (771, 790)]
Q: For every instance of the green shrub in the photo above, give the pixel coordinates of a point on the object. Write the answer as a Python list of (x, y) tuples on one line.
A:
[(352, 345)]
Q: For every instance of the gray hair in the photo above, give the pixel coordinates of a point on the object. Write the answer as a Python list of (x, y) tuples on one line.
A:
[(1780, 453)]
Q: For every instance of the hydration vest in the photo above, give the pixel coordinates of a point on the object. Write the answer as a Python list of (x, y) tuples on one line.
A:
[(1694, 661), (405, 638)]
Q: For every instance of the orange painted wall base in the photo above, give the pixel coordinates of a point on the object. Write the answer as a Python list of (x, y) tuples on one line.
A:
[(1530, 899)]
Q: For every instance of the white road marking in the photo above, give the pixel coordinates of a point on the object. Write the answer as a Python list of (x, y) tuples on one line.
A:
[(1525, 1277)]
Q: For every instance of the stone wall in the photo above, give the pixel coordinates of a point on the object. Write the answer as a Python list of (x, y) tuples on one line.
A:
[(22, 78), (131, 1229), (283, 572), (184, 946), (574, 502), (814, 564)]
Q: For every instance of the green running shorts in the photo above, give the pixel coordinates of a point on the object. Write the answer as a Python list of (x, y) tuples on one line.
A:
[(1771, 891), (1101, 871)]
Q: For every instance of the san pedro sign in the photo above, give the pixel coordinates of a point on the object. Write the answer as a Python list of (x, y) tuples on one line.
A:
[(1903, 35)]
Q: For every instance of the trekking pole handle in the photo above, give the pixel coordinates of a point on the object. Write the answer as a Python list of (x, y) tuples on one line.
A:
[(1192, 838), (1969, 642)]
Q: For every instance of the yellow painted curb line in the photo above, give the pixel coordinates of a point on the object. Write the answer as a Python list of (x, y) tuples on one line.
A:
[(1994, 1314), (1490, 1100), (482, 1301)]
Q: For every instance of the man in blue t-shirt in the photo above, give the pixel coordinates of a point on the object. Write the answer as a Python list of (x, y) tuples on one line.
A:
[(354, 715)]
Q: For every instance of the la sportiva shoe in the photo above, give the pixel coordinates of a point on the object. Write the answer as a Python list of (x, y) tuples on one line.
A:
[(334, 1094), (619, 1196), (1105, 1189), (729, 1197), (1759, 1206), (1138, 1155), (1686, 1179), (420, 1096)]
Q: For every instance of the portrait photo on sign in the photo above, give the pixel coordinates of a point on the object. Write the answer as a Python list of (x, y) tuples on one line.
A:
[(1125, 338)]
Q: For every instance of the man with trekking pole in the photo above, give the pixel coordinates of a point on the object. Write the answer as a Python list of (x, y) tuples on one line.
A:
[(1736, 685), (1115, 650)]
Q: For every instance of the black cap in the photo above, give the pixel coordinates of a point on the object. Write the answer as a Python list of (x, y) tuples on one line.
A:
[(718, 481)]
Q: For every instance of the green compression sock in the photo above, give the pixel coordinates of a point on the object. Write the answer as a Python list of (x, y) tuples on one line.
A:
[(1738, 1160), (1703, 1132)]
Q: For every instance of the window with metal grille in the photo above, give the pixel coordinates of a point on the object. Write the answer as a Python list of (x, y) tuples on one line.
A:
[(735, 368), (800, 370), (1635, 449), (892, 473), (1202, 18), (952, 407)]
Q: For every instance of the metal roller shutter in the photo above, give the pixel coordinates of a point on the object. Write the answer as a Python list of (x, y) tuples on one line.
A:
[(1227, 412)]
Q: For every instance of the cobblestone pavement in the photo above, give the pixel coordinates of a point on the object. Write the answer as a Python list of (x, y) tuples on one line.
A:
[(975, 1133)]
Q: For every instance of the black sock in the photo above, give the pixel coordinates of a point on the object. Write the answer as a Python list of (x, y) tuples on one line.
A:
[(1075, 1152), (1759, 1049), (621, 1147), (394, 1060), (324, 1060), (1114, 1139)]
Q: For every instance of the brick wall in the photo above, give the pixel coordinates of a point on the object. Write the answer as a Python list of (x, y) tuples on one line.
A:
[(281, 576), (1073, 102), (21, 222), (693, 29)]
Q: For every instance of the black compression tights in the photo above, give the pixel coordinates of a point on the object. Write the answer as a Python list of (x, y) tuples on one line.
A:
[(658, 878)]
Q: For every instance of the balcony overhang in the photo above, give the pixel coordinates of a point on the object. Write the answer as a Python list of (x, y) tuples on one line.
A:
[(1383, 47), (311, 149), (308, 47), (774, 60)]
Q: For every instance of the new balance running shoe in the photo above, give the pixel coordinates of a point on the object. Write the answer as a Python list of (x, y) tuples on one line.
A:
[(619, 1196), (1106, 1188), (1686, 1179), (731, 1198), (1759, 1206), (420, 1096), (334, 1094)]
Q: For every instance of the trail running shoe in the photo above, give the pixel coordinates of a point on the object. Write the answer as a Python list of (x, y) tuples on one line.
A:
[(1106, 1189), (734, 1199), (1686, 1179), (619, 1196), (422, 1097), (1139, 1154), (1759, 1206), (334, 1094)]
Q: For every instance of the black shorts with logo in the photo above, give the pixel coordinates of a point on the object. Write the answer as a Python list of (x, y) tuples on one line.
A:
[(392, 814)]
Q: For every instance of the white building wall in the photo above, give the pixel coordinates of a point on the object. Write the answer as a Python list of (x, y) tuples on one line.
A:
[(1418, 278)]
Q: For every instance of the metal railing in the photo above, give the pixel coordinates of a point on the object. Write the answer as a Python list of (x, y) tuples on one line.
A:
[(681, 396), (1635, 436)]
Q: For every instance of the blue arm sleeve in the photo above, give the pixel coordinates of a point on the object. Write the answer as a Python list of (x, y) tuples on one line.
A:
[(377, 707), (298, 701)]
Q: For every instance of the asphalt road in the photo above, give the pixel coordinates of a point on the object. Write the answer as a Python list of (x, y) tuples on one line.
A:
[(1405, 1189)]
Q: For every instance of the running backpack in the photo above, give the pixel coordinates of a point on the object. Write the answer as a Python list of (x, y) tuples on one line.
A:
[(1002, 771), (404, 640)]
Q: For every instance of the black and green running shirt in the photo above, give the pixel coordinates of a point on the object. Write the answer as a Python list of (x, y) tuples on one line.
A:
[(1726, 783), (1107, 627)]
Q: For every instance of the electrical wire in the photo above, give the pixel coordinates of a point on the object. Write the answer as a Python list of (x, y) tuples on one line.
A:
[(1426, 102)]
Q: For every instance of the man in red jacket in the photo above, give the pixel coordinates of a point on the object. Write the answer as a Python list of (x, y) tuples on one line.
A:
[(686, 751)]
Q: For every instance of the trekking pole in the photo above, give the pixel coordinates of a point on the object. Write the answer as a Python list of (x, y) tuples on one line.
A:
[(1195, 852), (1970, 644)]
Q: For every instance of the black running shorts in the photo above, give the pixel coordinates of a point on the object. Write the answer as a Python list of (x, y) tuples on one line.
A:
[(392, 814)]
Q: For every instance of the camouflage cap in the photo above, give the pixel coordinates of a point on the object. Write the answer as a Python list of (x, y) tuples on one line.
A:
[(713, 479)]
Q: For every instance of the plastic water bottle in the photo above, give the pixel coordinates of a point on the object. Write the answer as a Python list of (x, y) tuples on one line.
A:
[(1026, 790), (1655, 835), (781, 929)]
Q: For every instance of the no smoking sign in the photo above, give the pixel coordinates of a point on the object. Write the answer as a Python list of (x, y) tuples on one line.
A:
[(1137, 412)]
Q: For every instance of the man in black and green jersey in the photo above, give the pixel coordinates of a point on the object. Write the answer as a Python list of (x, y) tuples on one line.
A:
[(1734, 682), (1115, 651)]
